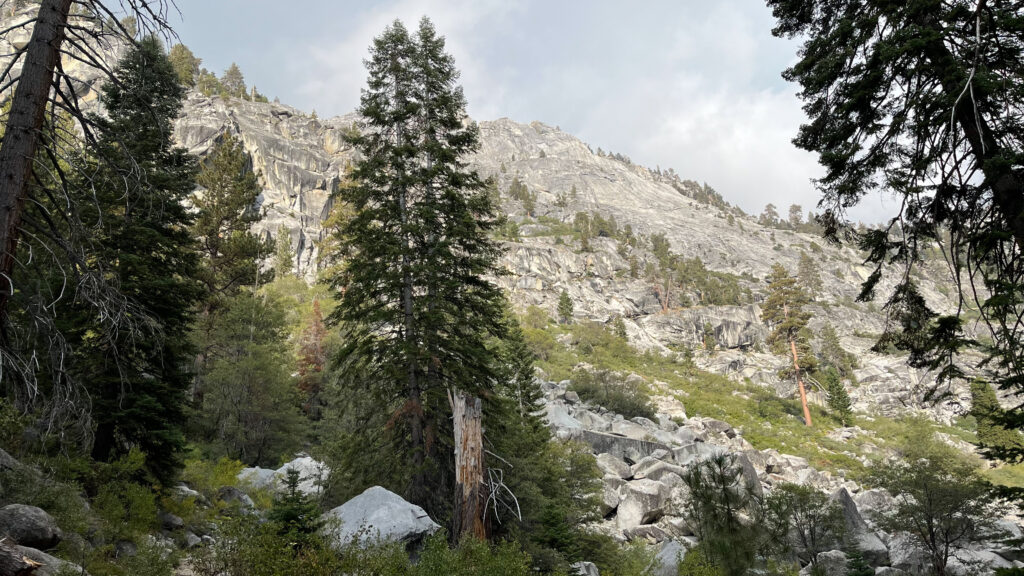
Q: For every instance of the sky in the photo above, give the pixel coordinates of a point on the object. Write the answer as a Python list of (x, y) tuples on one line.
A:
[(687, 84)]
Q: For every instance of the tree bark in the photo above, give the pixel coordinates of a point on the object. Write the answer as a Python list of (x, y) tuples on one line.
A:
[(470, 488), (13, 562), (21, 139), (800, 384)]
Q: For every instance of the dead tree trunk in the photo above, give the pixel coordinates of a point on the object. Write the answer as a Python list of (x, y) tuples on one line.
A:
[(24, 123), (14, 563), (470, 488)]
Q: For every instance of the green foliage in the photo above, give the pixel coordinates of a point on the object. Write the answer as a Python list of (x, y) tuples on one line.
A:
[(185, 64), (606, 389), (992, 434), (697, 563), (941, 500), (208, 84), (208, 476), (565, 307), (863, 131), (809, 274), (720, 497), (296, 515), (416, 310), (250, 407), (134, 204), (838, 400), (856, 565), (225, 215), (831, 353), (518, 191), (233, 82), (284, 255), (708, 337), (803, 521)]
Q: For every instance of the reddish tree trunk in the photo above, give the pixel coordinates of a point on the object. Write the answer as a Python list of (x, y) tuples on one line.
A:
[(21, 138), (800, 383)]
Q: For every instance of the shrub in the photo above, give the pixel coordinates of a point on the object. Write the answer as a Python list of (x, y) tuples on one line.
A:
[(697, 563), (605, 389)]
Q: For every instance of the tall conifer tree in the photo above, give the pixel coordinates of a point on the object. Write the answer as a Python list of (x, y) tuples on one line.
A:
[(414, 299), (137, 380)]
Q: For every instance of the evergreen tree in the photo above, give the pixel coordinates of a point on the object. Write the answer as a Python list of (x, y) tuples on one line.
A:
[(565, 308), (838, 400), (225, 214), (414, 303), (185, 64), (233, 82), (783, 310), (809, 274), (312, 361), (137, 381), (995, 438), (856, 565), (284, 256), (295, 513), (832, 354), (950, 151), (250, 407)]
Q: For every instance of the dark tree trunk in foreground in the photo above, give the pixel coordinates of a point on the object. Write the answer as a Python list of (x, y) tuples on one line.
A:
[(21, 138)]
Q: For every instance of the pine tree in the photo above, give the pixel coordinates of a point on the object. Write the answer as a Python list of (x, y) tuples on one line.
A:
[(233, 82), (414, 303), (783, 310), (565, 308), (137, 381), (832, 354), (185, 64), (284, 256), (856, 565), (809, 274), (313, 361), (992, 435), (226, 213), (294, 512), (838, 399)]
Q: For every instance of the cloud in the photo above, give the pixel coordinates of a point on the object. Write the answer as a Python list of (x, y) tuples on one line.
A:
[(333, 69)]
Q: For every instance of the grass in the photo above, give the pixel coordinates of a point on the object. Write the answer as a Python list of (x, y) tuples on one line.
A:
[(766, 421)]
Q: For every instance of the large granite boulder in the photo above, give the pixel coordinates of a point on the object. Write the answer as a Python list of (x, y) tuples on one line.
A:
[(378, 515), (831, 563), (29, 526), (610, 464), (666, 561), (643, 502), (858, 533), (312, 474)]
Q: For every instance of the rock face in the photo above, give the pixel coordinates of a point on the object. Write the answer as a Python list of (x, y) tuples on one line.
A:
[(378, 514), (858, 533), (29, 526), (50, 565)]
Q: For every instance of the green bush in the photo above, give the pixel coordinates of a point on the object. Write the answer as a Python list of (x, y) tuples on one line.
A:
[(606, 389), (697, 563)]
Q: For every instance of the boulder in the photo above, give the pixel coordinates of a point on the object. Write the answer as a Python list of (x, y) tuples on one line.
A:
[(378, 515), (312, 474), (684, 455), (259, 478), (631, 430), (558, 416), (831, 563), (613, 465), (611, 493), (191, 540), (170, 521), (858, 533), (889, 571), (666, 561), (593, 421), (720, 427), (643, 502), (655, 469), (29, 526), (234, 497), (125, 549), (50, 565), (584, 569), (907, 555), (650, 533), (628, 449)]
